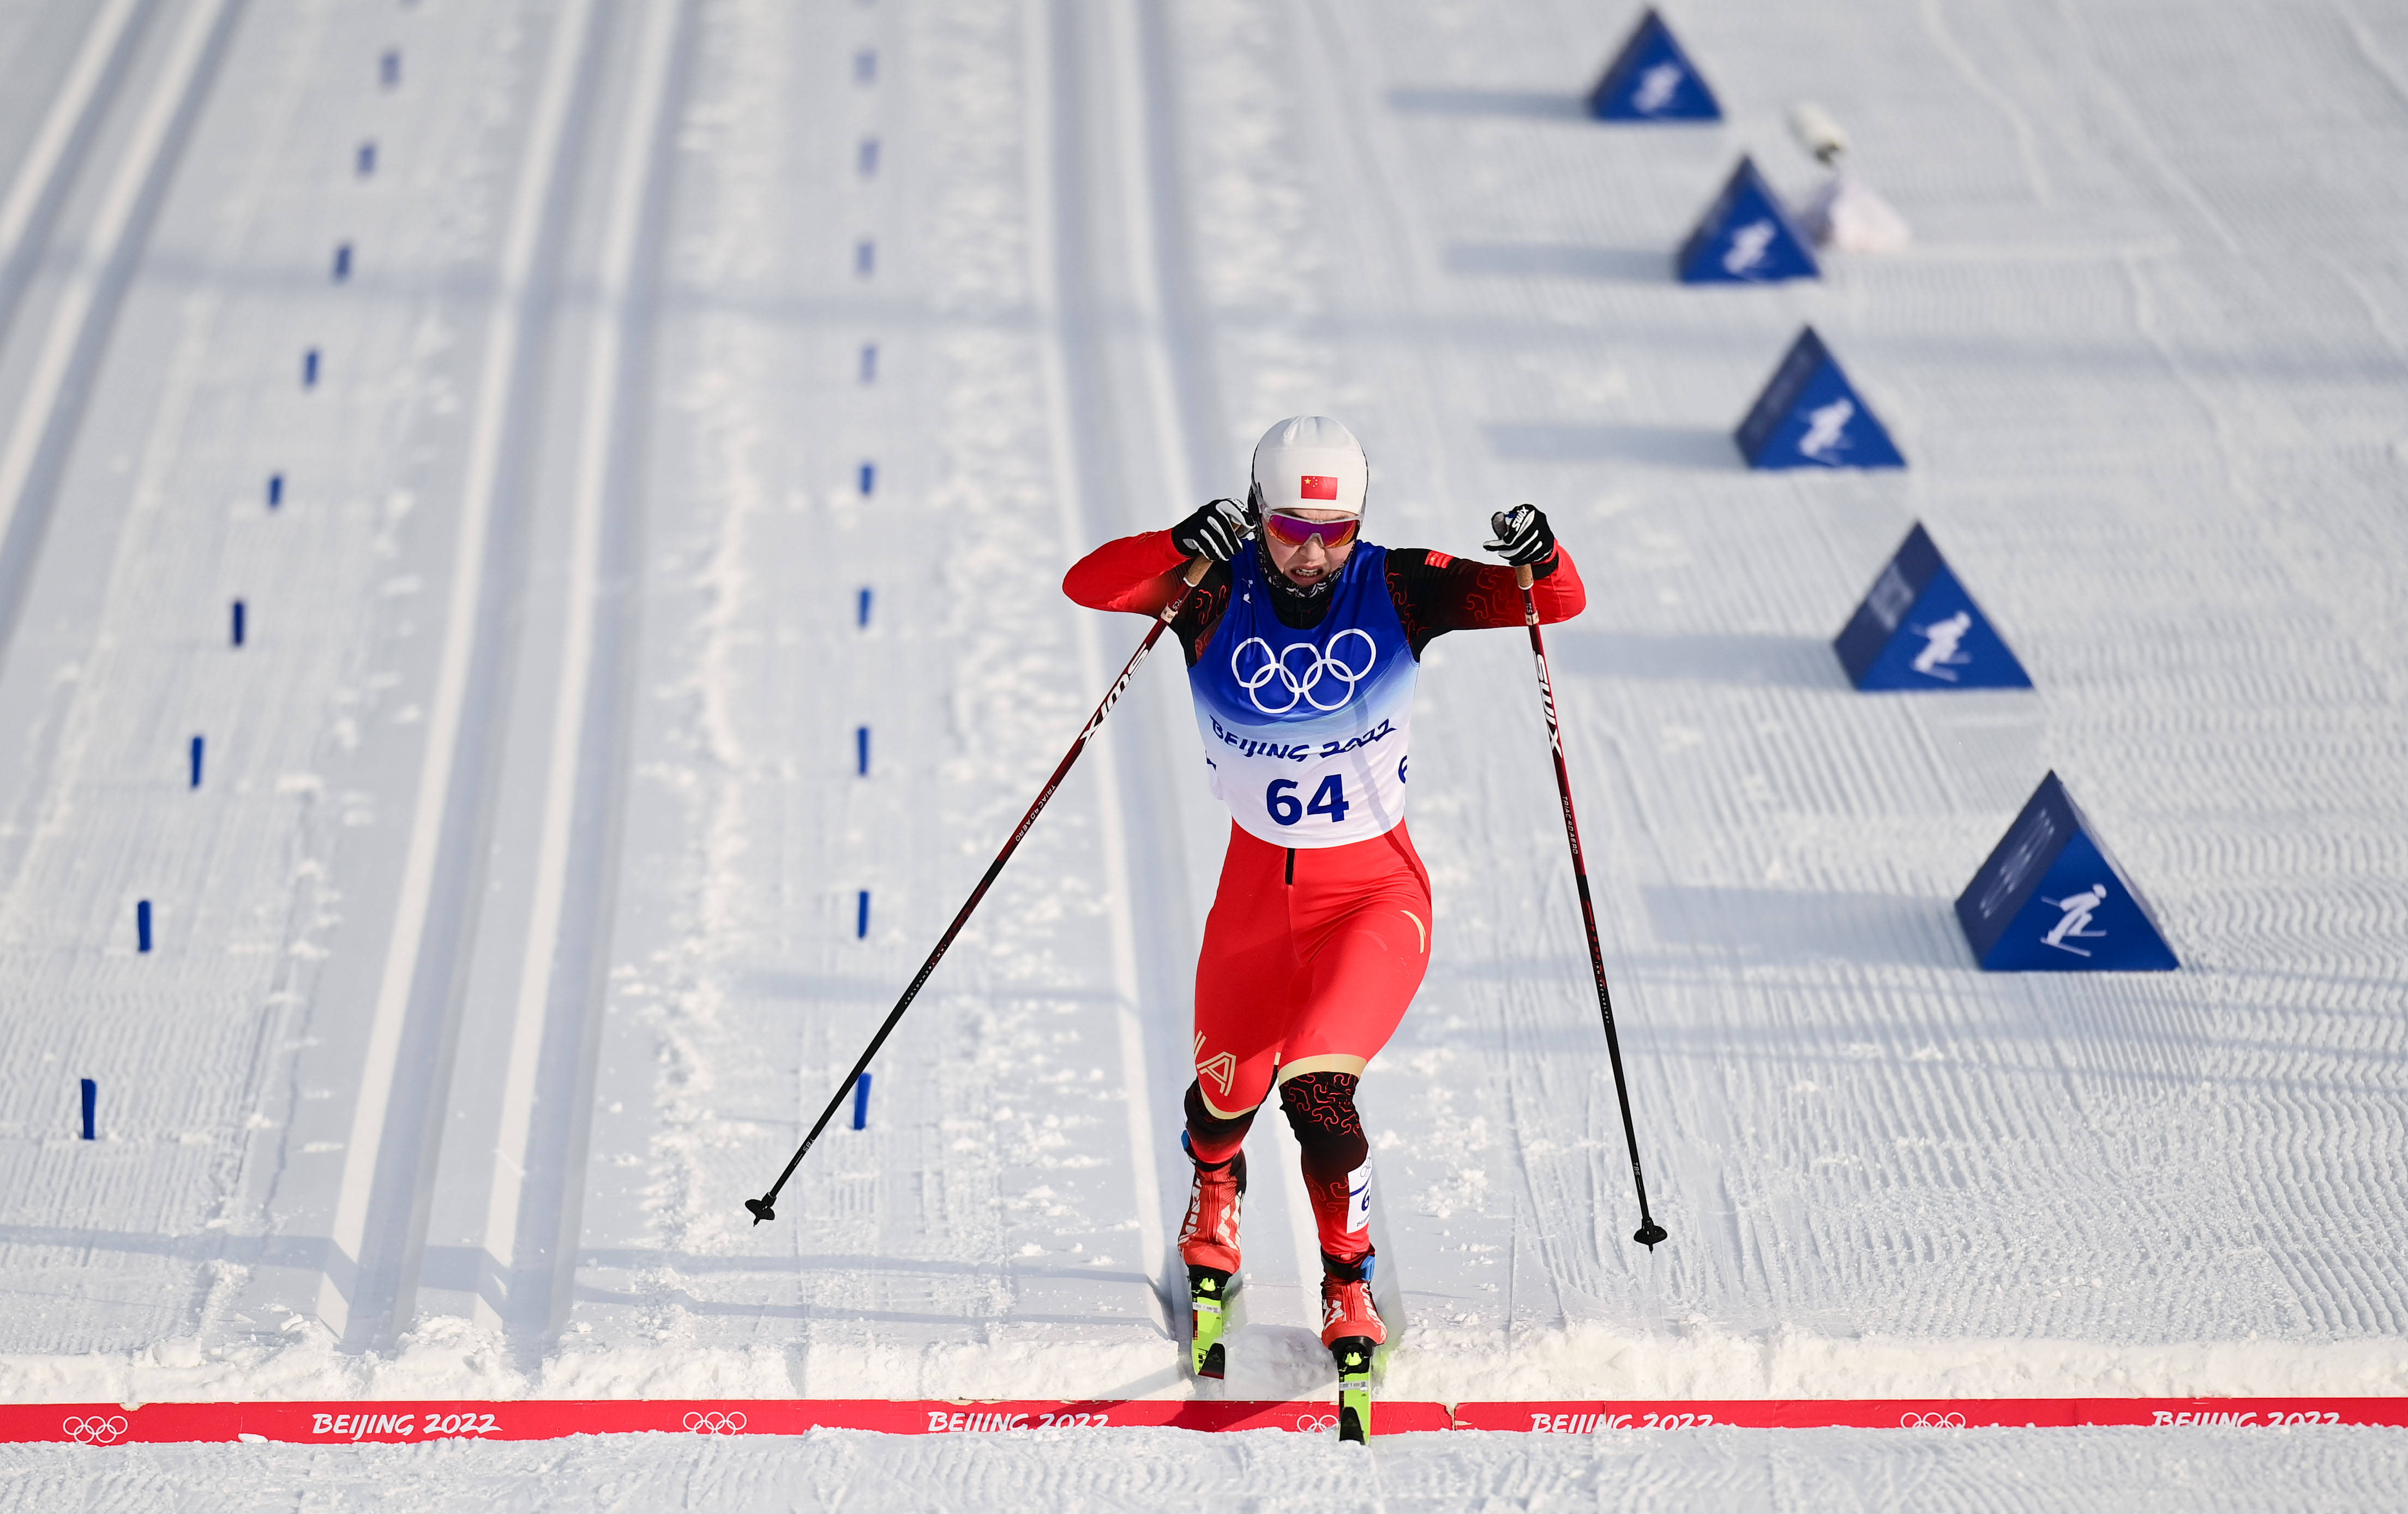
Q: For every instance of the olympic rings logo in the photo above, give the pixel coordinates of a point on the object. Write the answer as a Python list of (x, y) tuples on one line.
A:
[(1316, 1424), (1951, 1421), (1300, 683), (715, 1423), (95, 1431)]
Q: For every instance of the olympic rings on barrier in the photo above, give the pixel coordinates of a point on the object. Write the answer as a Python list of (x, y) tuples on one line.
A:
[(1316, 1424), (715, 1423), (96, 1431), (1951, 1421), (1300, 684)]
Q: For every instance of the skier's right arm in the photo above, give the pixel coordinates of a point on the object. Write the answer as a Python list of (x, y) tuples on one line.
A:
[(1142, 573), (1139, 572), (1136, 573)]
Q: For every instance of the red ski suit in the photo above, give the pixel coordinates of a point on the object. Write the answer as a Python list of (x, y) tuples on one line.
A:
[(1311, 952)]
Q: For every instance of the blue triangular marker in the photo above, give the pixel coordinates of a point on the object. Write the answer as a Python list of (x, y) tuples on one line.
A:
[(1917, 629), (1746, 238), (1810, 416), (1650, 79), (2051, 898)]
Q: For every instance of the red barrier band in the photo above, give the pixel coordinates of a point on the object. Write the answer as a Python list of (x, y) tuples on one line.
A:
[(399, 1420)]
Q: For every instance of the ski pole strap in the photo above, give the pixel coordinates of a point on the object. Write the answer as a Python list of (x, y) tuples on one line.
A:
[(1193, 575)]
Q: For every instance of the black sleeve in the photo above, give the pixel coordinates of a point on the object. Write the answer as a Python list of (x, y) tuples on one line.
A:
[(1195, 622), (1435, 593)]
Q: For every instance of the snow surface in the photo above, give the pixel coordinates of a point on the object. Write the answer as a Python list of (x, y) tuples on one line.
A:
[(510, 942)]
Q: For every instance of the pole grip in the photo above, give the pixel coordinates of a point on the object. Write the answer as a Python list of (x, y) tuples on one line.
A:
[(1195, 571), (1522, 577)]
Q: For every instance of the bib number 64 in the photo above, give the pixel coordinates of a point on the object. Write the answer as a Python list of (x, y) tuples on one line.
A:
[(1287, 808)]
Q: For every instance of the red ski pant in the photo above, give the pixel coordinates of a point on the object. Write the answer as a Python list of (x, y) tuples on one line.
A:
[(1308, 952)]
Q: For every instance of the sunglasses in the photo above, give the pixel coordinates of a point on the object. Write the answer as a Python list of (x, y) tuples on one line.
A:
[(1294, 530)]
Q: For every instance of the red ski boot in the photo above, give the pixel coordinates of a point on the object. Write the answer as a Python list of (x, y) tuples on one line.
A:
[(1346, 1307), (1208, 1243)]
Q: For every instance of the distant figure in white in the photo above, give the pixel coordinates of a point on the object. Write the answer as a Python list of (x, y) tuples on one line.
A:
[(1844, 215), (1826, 427), (2076, 923), (1747, 247), (1939, 642), (1655, 88)]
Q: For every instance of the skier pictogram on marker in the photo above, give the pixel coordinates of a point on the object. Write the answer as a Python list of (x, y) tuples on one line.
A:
[(2078, 908), (1942, 638)]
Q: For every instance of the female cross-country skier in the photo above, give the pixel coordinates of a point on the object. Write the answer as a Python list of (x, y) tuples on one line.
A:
[(1303, 645)]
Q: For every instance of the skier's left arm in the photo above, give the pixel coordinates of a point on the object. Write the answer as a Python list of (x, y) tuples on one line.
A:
[(1436, 593)]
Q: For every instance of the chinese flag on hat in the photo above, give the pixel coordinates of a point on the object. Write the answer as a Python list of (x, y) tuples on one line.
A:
[(1316, 486)]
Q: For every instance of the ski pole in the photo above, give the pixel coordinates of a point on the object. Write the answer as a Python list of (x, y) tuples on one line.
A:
[(1649, 1232), (766, 1206)]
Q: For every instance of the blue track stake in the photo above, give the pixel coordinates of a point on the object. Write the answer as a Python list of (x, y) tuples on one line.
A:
[(864, 612), (342, 262), (92, 1108), (275, 490), (367, 160), (238, 623), (309, 368), (869, 159), (860, 1106), (860, 750), (869, 361), (142, 923), (196, 762), (869, 477), (864, 257), (864, 67), (860, 919), (389, 67)]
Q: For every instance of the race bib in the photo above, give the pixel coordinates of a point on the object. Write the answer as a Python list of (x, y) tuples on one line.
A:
[(1306, 732)]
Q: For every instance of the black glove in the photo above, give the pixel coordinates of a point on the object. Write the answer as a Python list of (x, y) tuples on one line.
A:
[(1213, 532), (1523, 537)]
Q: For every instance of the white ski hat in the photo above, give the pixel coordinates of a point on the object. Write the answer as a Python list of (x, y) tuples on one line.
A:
[(1310, 462)]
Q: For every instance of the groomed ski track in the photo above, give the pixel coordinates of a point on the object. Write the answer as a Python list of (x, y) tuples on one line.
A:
[(713, 380)]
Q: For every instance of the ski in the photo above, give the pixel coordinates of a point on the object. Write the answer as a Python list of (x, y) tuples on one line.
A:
[(1355, 1387), (1207, 1302), (1357, 1358)]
